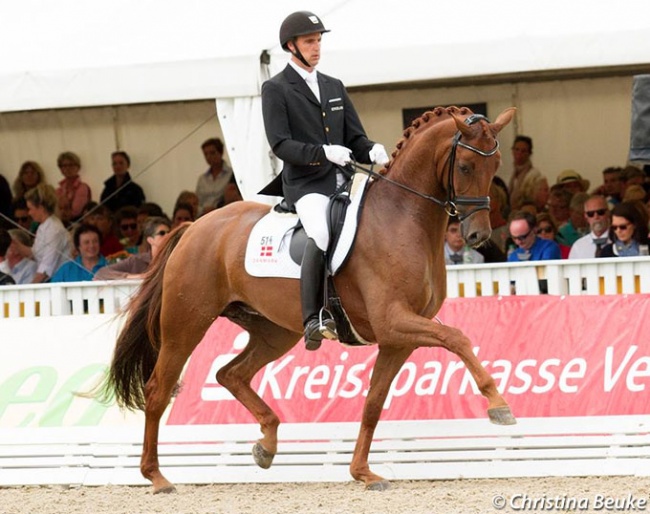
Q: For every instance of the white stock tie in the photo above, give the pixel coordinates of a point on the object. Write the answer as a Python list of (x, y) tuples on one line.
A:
[(312, 82)]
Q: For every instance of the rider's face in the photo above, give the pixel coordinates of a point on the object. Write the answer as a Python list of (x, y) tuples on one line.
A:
[(309, 47)]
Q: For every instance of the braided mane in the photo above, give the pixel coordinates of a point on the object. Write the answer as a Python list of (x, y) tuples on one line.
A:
[(436, 115)]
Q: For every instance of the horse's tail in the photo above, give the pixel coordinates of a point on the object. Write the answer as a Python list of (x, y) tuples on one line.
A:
[(138, 343)]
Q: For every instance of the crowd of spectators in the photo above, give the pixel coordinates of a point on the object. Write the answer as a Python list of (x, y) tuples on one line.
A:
[(60, 233)]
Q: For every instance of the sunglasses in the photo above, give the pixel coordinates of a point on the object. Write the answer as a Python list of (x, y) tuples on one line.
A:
[(625, 226), (22, 219), (129, 226), (161, 233), (545, 230), (600, 212), (520, 238)]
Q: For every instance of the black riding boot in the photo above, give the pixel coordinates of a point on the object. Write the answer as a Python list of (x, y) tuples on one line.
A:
[(312, 290)]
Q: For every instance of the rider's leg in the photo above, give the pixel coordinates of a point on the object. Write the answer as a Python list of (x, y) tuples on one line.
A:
[(312, 210)]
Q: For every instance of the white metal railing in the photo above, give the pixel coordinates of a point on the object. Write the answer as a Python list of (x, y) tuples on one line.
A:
[(612, 276)]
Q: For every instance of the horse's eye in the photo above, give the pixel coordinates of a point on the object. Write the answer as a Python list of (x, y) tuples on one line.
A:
[(464, 169)]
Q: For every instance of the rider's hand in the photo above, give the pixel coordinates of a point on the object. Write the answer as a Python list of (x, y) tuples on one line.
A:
[(378, 155), (337, 154)]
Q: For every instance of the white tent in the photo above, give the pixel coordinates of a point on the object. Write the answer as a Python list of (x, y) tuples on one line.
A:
[(74, 53)]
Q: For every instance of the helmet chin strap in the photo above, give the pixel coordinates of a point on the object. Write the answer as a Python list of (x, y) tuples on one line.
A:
[(296, 53)]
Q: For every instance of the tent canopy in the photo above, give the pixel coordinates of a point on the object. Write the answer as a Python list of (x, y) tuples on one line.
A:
[(74, 53)]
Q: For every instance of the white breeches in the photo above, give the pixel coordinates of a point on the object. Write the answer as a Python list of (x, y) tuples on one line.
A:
[(312, 211)]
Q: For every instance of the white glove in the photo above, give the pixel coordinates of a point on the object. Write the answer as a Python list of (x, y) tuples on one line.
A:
[(378, 155), (337, 154)]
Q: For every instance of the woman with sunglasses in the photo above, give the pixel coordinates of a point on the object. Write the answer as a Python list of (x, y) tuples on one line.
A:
[(154, 234), (547, 229), (628, 231)]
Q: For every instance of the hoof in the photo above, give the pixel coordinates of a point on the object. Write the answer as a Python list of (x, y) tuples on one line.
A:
[(263, 458), (501, 416), (382, 485), (169, 489)]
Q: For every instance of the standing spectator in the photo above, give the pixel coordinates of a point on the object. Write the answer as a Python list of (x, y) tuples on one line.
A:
[(522, 149), (212, 183), (102, 218), (577, 225), (30, 175), (597, 216), (572, 181), (129, 229), (5, 201), (155, 234), (182, 213), (559, 205), (120, 190), (73, 194), (21, 268), (87, 242), (628, 232), (529, 246), (456, 250), (51, 245)]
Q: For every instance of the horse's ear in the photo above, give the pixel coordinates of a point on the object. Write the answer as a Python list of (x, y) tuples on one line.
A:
[(502, 120), (465, 130)]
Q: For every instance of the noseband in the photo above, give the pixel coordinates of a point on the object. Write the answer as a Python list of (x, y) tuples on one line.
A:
[(452, 202)]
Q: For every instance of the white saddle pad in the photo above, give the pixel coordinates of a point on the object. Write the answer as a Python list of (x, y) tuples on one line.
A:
[(267, 251)]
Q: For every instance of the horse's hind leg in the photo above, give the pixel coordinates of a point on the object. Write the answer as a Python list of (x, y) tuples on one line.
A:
[(267, 343), (388, 363)]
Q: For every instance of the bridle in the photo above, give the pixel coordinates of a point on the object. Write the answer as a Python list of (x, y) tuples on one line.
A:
[(453, 201)]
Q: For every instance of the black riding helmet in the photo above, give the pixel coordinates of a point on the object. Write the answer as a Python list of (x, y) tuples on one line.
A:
[(299, 23)]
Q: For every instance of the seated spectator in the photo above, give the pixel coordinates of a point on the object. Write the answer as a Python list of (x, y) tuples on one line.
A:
[(183, 212), (87, 241), (128, 229), (120, 190), (51, 245), (529, 246), (456, 250), (191, 198), (628, 232), (534, 190), (155, 234), (559, 201), (30, 175), (5, 201), (21, 216), (102, 218), (597, 216), (546, 229), (577, 225), (612, 188), (5, 242), (635, 193), (21, 268), (147, 210), (498, 216), (572, 181), (631, 175), (73, 194)]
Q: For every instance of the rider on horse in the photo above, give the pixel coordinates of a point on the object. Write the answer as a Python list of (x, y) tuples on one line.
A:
[(312, 126)]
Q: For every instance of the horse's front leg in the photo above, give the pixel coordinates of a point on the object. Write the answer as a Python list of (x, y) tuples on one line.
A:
[(411, 329), (389, 362)]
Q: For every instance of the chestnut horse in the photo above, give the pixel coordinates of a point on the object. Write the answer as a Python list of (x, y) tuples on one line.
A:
[(391, 287)]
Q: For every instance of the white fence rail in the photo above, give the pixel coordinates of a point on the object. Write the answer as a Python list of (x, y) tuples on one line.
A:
[(561, 277), (405, 450)]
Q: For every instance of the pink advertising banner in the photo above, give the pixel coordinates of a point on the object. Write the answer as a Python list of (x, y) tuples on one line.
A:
[(550, 356)]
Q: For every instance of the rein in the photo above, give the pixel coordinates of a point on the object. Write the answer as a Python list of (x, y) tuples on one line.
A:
[(452, 202)]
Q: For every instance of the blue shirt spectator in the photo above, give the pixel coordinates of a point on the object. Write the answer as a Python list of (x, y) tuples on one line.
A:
[(87, 241), (74, 271), (529, 246)]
